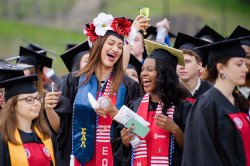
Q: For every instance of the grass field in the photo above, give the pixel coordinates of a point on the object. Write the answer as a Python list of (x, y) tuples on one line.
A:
[(13, 33)]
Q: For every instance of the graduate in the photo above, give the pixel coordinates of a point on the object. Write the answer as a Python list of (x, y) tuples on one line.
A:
[(134, 68), (209, 34), (84, 134), (163, 106), (189, 74), (76, 57), (25, 138), (218, 127)]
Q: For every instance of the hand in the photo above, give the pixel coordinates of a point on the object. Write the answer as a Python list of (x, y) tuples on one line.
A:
[(164, 23), (141, 23), (109, 108), (165, 123), (51, 100), (127, 136)]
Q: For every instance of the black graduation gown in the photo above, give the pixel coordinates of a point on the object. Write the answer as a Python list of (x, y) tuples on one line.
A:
[(123, 154), (26, 138), (211, 138), (69, 91), (205, 85)]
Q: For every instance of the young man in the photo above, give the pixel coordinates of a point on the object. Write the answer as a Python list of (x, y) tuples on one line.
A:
[(189, 75)]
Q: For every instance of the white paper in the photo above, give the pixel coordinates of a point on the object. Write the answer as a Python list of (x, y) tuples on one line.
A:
[(124, 114), (93, 102)]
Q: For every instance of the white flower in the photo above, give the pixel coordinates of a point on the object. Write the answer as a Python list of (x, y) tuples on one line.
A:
[(102, 23), (131, 37)]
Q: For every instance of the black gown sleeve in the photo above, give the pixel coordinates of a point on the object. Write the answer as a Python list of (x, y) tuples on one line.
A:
[(4, 153), (200, 138)]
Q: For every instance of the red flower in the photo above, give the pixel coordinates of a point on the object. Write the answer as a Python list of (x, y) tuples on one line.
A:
[(90, 32), (121, 26)]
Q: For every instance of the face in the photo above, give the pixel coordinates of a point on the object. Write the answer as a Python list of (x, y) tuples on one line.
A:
[(1, 97), (84, 60), (137, 49), (247, 50), (111, 51), (132, 74), (191, 69), (235, 71), (25, 109), (149, 75), (203, 73)]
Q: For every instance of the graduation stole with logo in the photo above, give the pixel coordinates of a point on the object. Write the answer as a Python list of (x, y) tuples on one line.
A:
[(91, 137), (242, 123), (154, 147), (17, 153)]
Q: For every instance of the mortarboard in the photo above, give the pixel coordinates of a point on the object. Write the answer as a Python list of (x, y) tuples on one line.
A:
[(30, 57), (184, 41), (135, 64), (240, 31), (221, 50), (70, 45), (164, 52), (19, 85), (209, 34), (72, 56), (37, 49), (8, 71)]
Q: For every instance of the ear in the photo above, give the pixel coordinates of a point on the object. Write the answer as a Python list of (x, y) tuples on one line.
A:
[(220, 67), (199, 66)]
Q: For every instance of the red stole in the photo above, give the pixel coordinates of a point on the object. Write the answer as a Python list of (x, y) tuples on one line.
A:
[(242, 123), (154, 148)]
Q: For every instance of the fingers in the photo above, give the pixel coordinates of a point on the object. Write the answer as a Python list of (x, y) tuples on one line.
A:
[(127, 136), (52, 99)]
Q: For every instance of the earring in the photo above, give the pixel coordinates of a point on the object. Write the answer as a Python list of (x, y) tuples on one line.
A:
[(222, 76)]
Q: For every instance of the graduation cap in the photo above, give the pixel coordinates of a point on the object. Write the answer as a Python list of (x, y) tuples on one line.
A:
[(37, 49), (240, 31), (19, 85), (209, 34), (30, 57), (73, 55), (8, 71), (221, 50), (164, 52), (184, 41), (70, 45), (134, 63)]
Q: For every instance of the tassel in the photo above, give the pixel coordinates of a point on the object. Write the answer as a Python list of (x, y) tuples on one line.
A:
[(72, 160)]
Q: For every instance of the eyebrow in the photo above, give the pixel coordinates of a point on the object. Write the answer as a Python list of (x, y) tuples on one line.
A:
[(115, 41)]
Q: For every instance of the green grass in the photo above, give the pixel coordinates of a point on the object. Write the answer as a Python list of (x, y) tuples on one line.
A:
[(14, 34)]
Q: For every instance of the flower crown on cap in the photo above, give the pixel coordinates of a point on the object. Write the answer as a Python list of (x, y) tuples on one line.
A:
[(104, 22)]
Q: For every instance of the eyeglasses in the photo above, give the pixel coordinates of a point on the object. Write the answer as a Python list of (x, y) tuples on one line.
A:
[(31, 99)]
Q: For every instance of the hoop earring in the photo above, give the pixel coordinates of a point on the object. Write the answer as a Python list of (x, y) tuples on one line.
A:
[(222, 76)]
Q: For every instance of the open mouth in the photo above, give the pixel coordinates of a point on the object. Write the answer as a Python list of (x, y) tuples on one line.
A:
[(146, 82), (111, 57)]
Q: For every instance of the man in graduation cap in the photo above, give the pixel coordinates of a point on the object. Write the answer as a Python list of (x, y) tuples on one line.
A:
[(218, 130), (240, 31), (189, 74)]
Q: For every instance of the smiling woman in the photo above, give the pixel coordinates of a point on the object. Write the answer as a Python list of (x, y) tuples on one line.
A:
[(80, 137), (23, 127)]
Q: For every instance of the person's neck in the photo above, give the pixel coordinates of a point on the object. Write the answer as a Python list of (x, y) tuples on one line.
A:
[(102, 72), (154, 97), (226, 89), (190, 84), (139, 57), (25, 125)]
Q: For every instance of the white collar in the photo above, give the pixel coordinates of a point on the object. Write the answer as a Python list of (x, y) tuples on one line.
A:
[(196, 87)]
